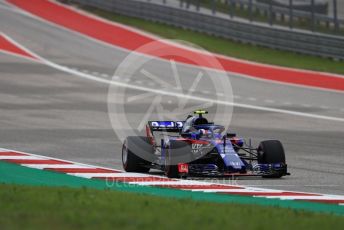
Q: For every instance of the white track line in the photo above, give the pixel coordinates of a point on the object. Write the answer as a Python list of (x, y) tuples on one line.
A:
[(171, 183), (91, 175), (56, 166), (21, 158), (132, 175), (170, 93), (238, 189), (227, 190), (155, 37), (5, 150), (328, 197), (176, 182), (58, 159), (17, 55), (20, 11), (183, 46)]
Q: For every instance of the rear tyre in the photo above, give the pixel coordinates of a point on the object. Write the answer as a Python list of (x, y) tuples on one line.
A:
[(176, 150), (134, 147), (171, 171), (270, 152)]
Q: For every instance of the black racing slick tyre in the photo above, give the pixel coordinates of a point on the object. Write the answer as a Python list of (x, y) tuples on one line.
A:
[(270, 152), (134, 149), (176, 150), (171, 171)]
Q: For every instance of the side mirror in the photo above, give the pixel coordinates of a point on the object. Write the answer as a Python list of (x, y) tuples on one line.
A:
[(231, 135)]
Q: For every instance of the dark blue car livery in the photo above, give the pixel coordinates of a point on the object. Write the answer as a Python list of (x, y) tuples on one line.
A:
[(196, 147)]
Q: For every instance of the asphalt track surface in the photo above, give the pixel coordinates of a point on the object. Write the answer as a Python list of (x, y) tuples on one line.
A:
[(50, 112), (130, 39)]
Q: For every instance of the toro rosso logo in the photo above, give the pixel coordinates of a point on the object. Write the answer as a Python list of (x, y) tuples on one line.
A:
[(200, 148), (195, 148)]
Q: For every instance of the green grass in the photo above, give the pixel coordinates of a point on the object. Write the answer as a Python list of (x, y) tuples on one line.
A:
[(16, 174), (73, 202), (228, 47), (28, 207)]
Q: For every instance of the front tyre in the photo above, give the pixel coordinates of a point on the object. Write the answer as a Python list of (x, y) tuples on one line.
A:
[(134, 147), (271, 152)]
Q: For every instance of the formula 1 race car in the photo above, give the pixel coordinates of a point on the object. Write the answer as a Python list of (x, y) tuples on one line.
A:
[(200, 148)]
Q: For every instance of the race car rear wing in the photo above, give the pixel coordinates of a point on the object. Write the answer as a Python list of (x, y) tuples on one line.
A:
[(166, 126)]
